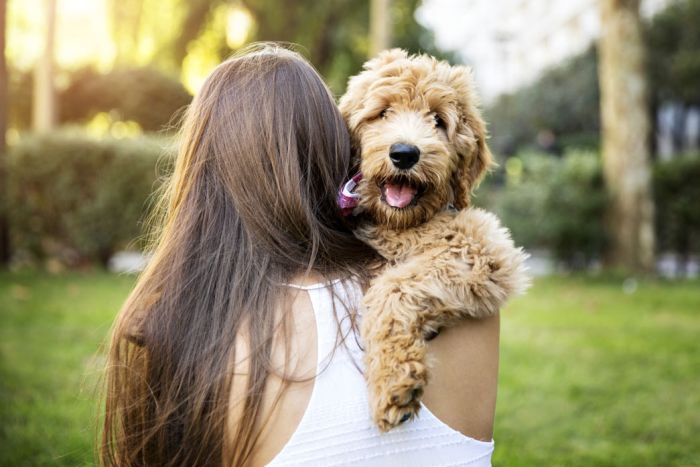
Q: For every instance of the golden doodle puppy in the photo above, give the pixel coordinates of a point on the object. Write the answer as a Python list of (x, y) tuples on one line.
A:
[(421, 144)]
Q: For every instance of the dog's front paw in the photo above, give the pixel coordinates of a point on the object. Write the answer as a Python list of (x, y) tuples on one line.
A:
[(395, 352), (396, 396)]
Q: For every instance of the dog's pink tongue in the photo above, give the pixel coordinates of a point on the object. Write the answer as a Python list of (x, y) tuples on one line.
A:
[(399, 196)]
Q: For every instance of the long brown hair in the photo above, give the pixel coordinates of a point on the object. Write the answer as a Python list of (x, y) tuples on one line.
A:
[(251, 203)]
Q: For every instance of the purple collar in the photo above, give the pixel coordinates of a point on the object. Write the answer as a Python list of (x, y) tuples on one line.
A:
[(347, 198)]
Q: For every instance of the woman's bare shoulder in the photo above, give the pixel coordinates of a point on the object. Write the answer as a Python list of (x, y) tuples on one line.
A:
[(289, 385), (464, 376)]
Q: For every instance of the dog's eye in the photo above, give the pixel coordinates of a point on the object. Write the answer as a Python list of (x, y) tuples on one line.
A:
[(383, 113), (439, 122)]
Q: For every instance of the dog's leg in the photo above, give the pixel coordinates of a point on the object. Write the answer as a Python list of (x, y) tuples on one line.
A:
[(461, 267), (394, 356), (403, 305)]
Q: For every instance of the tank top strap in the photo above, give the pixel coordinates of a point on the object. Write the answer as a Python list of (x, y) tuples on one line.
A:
[(325, 312), (333, 303)]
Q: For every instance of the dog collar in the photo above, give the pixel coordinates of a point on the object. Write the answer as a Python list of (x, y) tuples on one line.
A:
[(347, 198)]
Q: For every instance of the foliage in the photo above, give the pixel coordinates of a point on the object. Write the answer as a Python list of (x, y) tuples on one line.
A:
[(157, 32), (333, 33), (411, 35), (564, 101), (517, 193), (337, 38), (674, 53), (145, 95), (78, 198), (155, 39), (677, 194), (589, 375), (554, 203), (559, 204)]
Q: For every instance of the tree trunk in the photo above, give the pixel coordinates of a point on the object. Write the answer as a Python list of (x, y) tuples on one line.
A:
[(44, 108), (625, 126), (4, 223), (380, 26)]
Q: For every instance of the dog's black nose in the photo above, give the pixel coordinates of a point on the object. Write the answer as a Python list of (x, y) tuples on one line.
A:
[(404, 156)]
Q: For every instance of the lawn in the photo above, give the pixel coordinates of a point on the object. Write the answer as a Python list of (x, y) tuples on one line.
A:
[(590, 375), (51, 328)]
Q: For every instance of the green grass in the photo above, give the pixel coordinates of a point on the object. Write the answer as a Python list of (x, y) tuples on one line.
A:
[(589, 375), (593, 376), (51, 328)]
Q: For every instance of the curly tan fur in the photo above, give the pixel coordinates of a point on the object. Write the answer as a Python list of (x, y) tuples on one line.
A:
[(442, 265), (397, 99)]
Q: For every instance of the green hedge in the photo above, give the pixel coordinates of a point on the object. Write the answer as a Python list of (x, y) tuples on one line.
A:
[(78, 198), (677, 193), (552, 203), (559, 204), (145, 95)]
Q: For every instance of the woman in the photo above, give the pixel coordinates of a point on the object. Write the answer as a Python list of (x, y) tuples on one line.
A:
[(237, 345)]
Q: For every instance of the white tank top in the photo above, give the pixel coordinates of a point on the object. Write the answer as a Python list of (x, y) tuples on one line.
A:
[(336, 428)]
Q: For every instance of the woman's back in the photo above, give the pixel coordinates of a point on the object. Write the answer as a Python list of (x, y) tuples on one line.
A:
[(325, 420)]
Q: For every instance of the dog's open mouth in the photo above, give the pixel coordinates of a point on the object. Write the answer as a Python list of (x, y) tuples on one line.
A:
[(400, 192)]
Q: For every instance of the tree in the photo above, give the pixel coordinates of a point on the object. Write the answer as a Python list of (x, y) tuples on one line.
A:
[(564, 100), (329, 32), (674, 65), (625, 124), (44, 111), (126, 18), (673, 39), (168, 26), (4, 227), (333, 34), (380, 26)]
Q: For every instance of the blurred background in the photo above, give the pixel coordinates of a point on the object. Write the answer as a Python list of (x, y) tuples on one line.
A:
[(594, 112)]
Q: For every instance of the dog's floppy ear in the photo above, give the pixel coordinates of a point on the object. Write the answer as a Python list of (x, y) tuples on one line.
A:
[(351, 101), (359, 84), (470, 139)]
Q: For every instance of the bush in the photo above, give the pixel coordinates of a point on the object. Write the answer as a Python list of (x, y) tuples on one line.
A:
[(144, 95), (576, 206), (559, 204), (141, 94), (674, 53), (553, 203), (677, 193), (79, 198), (563, 101)]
